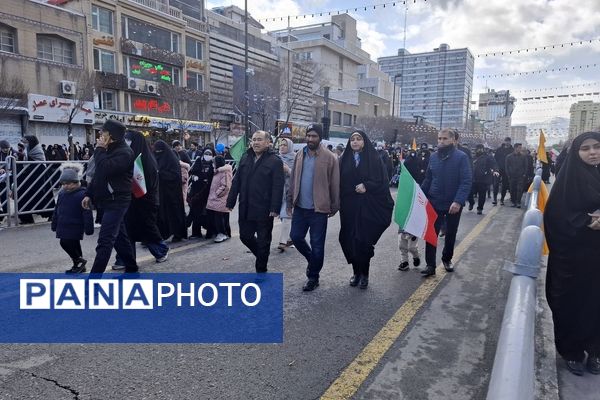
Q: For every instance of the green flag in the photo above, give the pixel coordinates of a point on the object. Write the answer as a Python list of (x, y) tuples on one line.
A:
[(238, 149)]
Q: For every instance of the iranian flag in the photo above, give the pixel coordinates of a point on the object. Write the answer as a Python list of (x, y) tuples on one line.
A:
[(414, 214), (139, 180)]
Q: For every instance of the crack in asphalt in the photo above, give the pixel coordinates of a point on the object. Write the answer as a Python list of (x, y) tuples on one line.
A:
[(73, 391)]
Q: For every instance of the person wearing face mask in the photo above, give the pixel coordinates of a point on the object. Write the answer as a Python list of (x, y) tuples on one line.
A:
[(447, 185), (572, 229), (201, 175), (217, 199), (484, 169)]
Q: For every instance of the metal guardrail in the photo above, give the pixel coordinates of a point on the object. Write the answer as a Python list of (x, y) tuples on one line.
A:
[(513, 374), (30, 187)]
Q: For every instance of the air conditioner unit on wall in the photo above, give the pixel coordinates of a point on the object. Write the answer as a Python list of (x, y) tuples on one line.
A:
[(136, 84), (68, 87), (151, 87)]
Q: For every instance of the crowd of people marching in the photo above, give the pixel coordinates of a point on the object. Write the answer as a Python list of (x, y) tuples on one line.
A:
[(141, 193)]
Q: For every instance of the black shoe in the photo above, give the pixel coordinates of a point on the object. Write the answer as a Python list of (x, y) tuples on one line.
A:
[(416, 261), (593, 365), (428, 271), (518, 205), (403, 266), (354, 280), (479, 212), (494, 203), (448, 266), (513, 205), (501, 202), (575, 367), (364, 282), (470, 207), (78, 267), (310, 285)]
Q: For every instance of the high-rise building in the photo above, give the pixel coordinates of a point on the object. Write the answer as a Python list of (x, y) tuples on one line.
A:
[(585, 116), (436, 85), (493, 105)]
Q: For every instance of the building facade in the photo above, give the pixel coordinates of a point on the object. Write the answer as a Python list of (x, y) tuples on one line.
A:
[(435, 85), (518, 133), (585, 116), (138, 61)]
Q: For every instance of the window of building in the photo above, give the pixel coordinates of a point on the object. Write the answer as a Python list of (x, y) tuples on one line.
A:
[(108, 100), (145, 33), (104, 61), (341, 80), (55, 48), (7, 39), (193, 48), (194, 81), (375, 107), (362, 75), (102, 20), (347, 119), (337, 118), (199, 112), (341, 62), (355, 120)]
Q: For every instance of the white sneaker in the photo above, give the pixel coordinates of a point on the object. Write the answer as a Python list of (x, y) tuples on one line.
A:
[(97, 226), (163, 259), (118, 267), (221, 238)]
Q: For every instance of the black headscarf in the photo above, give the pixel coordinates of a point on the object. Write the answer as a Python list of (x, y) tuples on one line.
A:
[(376, 205), (32, 141), (575, 193), (168, 162), (140, 146)]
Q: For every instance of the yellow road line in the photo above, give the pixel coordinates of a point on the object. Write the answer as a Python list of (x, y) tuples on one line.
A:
[(350, 380)]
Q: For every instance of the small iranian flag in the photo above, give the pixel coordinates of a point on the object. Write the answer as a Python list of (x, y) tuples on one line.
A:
[(414, 214), (139, 180)]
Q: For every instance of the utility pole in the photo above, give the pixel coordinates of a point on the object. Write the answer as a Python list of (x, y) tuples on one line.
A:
[(246, 73)]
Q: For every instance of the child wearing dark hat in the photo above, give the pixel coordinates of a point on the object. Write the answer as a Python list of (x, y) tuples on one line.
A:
[(70, 220)]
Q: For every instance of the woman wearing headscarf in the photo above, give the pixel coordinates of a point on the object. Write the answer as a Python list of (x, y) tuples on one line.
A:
[(171, 211), (35, 191), (217, 199), (287, 155), (572, 228), (365, 205), (142, 216), (201, 175)]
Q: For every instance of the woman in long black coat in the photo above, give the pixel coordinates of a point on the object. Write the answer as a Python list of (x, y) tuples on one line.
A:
[(366, 205), (573, 236), (171, 211), (201, 175), (141, 219)]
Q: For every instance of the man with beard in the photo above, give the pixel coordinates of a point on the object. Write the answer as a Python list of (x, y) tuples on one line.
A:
[(502, 183), (259, 184), (314, 196), (447, 184)]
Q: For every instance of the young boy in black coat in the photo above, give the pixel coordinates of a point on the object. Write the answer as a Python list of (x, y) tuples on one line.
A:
[(70, 219)]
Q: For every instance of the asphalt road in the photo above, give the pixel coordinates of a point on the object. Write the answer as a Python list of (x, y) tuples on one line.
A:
[(445, 351)]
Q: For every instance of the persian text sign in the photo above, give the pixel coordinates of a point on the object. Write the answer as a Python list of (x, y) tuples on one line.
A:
[(142, 308), (57, 109)]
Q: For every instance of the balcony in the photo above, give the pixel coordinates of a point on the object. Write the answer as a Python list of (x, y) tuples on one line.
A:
[(195, 24), (160, 6), (108, 80)]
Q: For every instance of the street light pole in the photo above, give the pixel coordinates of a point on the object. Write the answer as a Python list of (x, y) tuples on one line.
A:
[(246, 77)]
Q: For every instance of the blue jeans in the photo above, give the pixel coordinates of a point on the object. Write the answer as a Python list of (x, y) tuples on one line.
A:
[(304, 220), (113, 234)]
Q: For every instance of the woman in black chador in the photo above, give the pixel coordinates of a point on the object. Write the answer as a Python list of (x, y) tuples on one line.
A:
[(201, 175), (572, 227), (366, 205), (171, 211)]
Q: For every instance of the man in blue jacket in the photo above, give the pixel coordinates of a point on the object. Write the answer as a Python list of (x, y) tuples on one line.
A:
[(447, 185)]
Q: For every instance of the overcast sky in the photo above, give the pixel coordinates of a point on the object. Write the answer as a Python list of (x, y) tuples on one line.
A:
[(482, 26)]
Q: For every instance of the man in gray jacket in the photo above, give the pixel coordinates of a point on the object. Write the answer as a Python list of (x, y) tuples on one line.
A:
[(314, 196)]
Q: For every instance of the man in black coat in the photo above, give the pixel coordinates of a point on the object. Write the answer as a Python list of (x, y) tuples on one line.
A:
[(502, 183), (110, 190), (423, 162), (259, 184), (516, 170), (484, 169)]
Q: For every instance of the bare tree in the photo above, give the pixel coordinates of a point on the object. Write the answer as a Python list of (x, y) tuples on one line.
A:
[(85, 87), (13, 92), (184, 103)]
